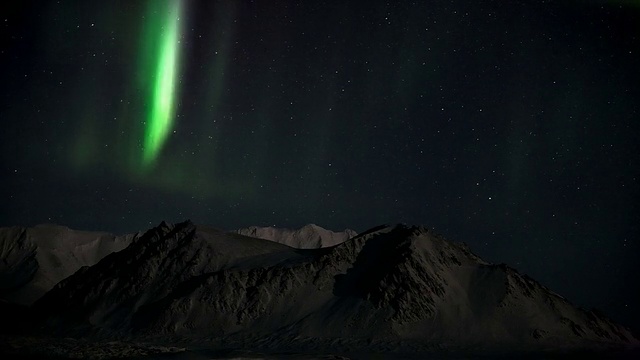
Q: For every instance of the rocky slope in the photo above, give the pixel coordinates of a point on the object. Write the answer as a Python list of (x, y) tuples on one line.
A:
[(392, 284), (33, 260), (307, 237)]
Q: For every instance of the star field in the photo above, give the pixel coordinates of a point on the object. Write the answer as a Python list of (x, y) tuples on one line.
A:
[(510, 126)]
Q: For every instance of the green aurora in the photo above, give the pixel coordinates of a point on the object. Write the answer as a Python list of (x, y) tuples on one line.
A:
[(163, 91)]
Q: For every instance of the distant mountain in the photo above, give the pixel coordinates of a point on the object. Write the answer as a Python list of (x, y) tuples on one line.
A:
[(34, 259), (390, 287), (308, 237)]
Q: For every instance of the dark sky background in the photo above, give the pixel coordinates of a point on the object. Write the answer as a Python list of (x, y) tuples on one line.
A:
[(510, 125)]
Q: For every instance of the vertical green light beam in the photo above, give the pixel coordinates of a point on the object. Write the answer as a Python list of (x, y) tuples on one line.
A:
[(163, 95)]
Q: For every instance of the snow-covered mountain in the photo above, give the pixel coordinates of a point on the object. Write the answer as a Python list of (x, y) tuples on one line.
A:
[(310, 236), (390, 285), (34, 259)]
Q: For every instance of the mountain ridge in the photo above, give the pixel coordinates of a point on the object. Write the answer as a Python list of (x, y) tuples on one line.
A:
[(393, 289), (391, 283)]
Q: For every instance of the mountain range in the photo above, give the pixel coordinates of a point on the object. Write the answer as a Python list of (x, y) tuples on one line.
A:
[(394, 289)]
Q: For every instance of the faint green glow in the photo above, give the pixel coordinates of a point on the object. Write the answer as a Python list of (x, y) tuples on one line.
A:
[(163, 95)]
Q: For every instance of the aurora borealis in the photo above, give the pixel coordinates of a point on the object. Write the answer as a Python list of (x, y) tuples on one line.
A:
[(512, 126), (160, 120)]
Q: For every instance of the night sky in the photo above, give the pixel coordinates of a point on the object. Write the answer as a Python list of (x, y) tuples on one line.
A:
[(510, 125)]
